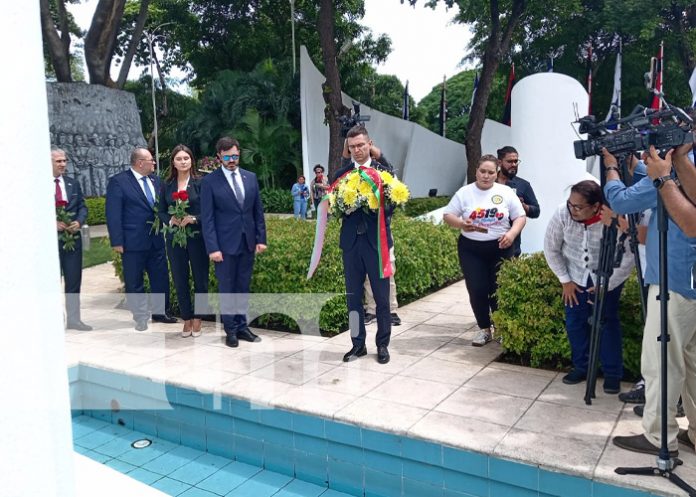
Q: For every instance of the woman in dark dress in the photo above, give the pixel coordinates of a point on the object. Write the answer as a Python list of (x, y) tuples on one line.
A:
[(183, 176)]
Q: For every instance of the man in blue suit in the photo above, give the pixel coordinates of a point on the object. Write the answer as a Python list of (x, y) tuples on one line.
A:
[(68, 190), (234, 231), (358, 240), (130, 213)]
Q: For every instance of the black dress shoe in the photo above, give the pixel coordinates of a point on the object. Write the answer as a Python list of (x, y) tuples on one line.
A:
[(638, 443), (355, 352), (574, 377), (247, 335), (395, 319), (382, 354), (163, 318), (634, 396), (140, 325), (79, 326), (231, 341), (612, 386)]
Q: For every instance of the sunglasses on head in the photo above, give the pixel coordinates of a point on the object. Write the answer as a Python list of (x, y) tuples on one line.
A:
[(230, 157)]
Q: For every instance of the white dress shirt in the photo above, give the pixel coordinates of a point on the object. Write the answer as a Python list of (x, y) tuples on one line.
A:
[(149, 184), (61, 182), (238, 176)]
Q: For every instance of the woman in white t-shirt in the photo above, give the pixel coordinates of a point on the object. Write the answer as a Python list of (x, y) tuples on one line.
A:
[(490, 217)]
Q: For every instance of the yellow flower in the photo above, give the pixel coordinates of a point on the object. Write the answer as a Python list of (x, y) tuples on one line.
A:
[(349, 196), (372, 202), (399, 193), (353, 180), (365, 190), (387, 178)]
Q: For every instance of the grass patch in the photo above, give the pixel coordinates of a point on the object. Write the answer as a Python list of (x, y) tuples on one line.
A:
[(99, 252)]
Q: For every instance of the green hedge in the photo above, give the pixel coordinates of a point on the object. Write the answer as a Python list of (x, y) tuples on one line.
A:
[(417, 206), (531, 320), (96, 211), (276, 201), (426, 260)]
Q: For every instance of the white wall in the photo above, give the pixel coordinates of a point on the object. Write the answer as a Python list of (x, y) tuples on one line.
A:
[(36, 450), (421, 158), (542, 113)]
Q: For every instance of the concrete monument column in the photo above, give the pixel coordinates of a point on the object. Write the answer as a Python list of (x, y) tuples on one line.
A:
[(36, 456)]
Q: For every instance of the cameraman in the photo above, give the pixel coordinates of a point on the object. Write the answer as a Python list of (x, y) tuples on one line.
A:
[(678, 203), (681, 314)]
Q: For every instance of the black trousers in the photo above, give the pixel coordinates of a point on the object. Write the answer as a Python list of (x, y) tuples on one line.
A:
[(234, 283), (480, 262), (192, 259), (71, 268), (135, 264), (361, 260)]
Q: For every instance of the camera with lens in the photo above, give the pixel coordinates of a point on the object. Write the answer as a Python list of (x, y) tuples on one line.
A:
[(348, 122), (664, 129)]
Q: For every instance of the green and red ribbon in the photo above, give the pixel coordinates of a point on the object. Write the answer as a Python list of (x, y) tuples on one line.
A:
[(373, 179)]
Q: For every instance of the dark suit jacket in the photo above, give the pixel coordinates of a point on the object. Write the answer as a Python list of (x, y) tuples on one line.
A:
[(129, 215), (165, 200), (361, 219), (76, 202), (224, 223)]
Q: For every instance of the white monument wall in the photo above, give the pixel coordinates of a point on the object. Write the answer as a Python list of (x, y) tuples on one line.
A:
[(543, 133)]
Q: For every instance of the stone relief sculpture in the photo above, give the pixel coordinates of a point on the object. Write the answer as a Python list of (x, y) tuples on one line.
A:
[(98, 127)]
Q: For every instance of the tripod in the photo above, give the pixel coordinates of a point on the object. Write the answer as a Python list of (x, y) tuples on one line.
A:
[(665, 464), (609, 257)]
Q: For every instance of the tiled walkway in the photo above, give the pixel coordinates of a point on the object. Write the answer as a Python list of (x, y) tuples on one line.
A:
[(436, 387), (183, 471)]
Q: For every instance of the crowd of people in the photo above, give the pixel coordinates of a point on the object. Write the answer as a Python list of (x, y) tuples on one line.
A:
[(222, 222)]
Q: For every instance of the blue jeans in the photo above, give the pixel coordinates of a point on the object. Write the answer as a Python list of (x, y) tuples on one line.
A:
[(299, 208), (578, 328)]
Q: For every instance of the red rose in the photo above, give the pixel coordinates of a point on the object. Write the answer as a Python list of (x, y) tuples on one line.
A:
[(61, 203), (175, 196), (183, 195)]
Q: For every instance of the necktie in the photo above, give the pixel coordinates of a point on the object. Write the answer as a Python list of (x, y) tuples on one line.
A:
[(237, 190), (148, 192), (59, 193)]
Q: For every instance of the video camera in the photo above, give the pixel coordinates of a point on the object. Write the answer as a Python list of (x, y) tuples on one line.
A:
[(348, 122), (665, 128)]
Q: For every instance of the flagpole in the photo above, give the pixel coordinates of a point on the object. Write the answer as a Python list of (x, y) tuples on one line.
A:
[(443, 106), (589, 79)]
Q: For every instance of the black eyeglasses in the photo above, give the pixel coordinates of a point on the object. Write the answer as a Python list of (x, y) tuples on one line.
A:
[(576, 208), (230, 157)]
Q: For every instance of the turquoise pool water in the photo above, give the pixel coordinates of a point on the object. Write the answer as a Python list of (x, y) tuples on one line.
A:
[(207, 445), (184, 471)]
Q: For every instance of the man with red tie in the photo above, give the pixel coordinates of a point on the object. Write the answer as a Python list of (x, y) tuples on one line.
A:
[(69, 196)]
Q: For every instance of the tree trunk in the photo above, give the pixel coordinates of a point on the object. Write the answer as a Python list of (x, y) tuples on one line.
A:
[(331, 88), (133, 45), (498, 43), (101, 40), (58, 46)]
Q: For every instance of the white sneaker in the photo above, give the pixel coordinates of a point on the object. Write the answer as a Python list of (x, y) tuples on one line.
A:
[(481, 338)]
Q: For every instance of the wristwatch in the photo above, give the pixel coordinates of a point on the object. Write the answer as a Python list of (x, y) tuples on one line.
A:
[(660, 182)]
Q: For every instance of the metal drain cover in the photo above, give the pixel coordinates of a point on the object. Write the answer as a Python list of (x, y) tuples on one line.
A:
[(141, 444)]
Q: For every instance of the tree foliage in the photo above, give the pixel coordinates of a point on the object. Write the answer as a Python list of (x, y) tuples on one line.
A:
[(459, 90)]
